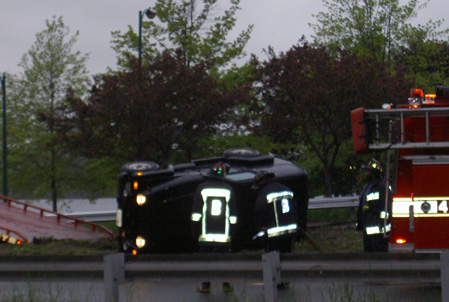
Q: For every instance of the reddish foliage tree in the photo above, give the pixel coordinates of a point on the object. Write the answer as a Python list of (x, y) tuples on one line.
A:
[(141, 113), (305, 96)]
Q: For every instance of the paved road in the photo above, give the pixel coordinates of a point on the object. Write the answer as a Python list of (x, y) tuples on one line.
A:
[(31, 224), (181, 290)]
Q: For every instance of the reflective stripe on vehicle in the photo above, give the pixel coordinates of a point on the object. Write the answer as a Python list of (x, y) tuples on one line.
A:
[(196, 216), (422, 207), (273, 196), (214, 238), (216, 211), (118, 219)]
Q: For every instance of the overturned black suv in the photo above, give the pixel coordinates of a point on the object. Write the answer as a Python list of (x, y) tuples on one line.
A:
[(155, 205)]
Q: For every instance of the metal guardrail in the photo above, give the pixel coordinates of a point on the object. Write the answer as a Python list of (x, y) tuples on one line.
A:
[(272, 268), (314, 204), (333, 202)]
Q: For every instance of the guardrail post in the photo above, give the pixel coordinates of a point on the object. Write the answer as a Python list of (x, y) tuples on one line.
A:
[(271, 275), (444, 263), (114, 275)]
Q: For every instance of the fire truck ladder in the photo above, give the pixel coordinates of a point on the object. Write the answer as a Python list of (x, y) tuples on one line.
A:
[(380, 117)]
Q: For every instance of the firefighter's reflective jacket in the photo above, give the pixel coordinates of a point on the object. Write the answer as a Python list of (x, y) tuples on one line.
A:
[(371, 212), (214, 212), (276, 211)]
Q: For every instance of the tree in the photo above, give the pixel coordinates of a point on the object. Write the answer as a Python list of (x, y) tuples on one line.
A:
[(173, 107), (49, 68), (377, 28), (304, 96), (427, 62), (190, 26)]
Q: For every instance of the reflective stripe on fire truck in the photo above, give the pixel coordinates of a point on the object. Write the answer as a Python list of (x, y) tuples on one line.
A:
[(422, 207)]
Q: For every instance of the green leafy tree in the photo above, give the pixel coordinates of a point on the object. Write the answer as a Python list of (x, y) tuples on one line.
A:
[(50, 67), (427, 62), (216, 145), (377, 28), (305, 95), (192, 26)]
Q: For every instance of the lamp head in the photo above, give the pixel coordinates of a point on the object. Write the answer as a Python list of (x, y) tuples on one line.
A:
[(149, 13)]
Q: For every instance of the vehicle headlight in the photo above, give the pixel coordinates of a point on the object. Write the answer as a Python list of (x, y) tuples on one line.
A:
[(140, 242), (141, 199)]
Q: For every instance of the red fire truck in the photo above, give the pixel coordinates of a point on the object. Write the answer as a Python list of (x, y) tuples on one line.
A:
[(416, 138)]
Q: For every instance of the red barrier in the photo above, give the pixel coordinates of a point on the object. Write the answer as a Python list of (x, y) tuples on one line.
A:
[(32, 208)]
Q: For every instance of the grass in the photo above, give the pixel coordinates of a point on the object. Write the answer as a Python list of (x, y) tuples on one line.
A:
[(50, 246), (331, 231), (53, 292), (331, 239)]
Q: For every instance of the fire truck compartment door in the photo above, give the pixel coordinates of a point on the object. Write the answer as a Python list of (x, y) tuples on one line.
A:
[(430, 186), (359, 131)]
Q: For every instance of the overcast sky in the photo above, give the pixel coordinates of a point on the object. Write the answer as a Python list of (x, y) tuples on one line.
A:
[(279, 23)]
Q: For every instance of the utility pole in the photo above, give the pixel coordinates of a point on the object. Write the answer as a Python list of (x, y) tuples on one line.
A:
[(5, 166), (150, 15)]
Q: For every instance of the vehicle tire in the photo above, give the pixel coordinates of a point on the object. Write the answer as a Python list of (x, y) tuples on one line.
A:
[(241, 152), (141, 166)]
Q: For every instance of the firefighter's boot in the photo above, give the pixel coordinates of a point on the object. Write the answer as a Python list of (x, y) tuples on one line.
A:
[(204, 289), (227, 288)]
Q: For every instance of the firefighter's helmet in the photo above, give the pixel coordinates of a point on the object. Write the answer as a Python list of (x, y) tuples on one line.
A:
[(374, 166), (260, 178), (219, 170)]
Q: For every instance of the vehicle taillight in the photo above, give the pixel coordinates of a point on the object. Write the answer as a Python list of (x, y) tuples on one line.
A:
[(401, 241)]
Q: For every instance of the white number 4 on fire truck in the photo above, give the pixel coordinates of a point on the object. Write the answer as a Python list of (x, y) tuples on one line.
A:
[(443, 206)]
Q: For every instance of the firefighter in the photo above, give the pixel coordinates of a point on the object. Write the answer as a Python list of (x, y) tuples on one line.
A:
[(275, 211), (214, 216), (372, 219)]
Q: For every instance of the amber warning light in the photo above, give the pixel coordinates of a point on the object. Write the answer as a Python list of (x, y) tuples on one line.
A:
[(430, 98), (416, 93)]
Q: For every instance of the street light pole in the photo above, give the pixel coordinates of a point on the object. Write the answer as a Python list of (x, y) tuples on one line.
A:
[(5, 166), (150, 15)]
